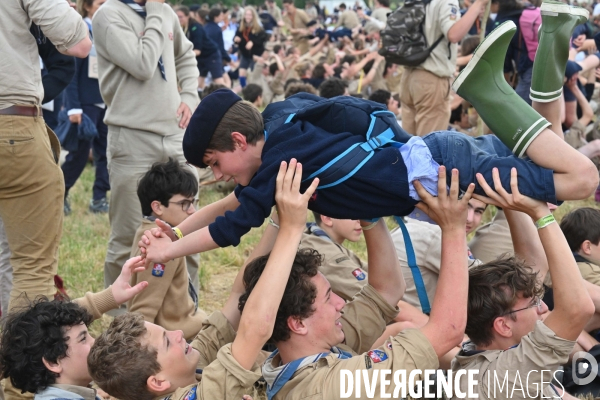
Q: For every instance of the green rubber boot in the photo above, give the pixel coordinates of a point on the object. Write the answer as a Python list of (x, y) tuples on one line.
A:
[(482, 84), (558, 22)]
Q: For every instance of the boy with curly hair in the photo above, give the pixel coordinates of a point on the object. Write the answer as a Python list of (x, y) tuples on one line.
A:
[(44, 345)]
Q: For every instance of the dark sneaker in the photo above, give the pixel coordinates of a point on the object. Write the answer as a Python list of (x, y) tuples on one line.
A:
[(99, 206), (67, 207)]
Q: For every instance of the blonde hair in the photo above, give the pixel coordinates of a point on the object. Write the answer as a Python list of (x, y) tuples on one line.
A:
[(255, 26), (81, 7)]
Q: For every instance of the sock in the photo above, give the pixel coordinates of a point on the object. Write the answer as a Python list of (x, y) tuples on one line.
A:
[(243, 81)]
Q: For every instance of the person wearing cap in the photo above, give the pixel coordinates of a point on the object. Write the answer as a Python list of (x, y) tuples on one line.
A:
[(31, 181), (149, 81)]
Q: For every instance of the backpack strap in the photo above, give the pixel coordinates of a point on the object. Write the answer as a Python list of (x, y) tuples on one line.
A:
[(345, 165), (414, 268)]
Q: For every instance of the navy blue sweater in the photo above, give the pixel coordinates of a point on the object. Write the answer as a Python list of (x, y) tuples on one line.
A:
[(379, 188), (82, 89), (197, 35), (214, 32)]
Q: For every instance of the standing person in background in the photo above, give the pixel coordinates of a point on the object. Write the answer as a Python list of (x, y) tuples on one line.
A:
[(348, 18), (250, 38), (215, 33), (83, 97), (425, 89), (295, 22), (31, 182), (148, 79), (208, 57)]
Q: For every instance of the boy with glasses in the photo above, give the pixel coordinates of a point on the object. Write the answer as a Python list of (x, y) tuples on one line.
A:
[(167, 191), (514, 344)]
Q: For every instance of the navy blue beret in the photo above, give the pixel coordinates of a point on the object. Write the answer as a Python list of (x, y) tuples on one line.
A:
[(204, 122)]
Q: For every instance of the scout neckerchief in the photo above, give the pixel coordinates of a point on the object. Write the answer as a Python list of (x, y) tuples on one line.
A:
[(141, 11), (314, 229), (191, 289), (277, 377)]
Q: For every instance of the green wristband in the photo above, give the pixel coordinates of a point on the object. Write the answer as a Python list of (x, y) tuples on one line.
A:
[(545, 221)]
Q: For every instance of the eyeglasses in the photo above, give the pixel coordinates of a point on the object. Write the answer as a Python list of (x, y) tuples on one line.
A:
[(185, 204), (537, 303)]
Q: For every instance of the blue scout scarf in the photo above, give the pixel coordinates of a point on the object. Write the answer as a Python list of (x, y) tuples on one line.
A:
[(141, 11), (277, 377)]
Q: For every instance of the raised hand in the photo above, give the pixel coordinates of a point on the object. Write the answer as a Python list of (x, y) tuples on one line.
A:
[(448, 210), (292, 205), (121, 289)]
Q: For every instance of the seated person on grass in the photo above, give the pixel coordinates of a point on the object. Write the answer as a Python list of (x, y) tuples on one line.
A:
[(318, 334), (228, 135), (138, 360), (167, 191), (343, 269), (509, 336), (45, 344)]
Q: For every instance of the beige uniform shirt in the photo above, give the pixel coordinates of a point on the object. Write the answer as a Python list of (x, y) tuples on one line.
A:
[(298, 20), (575, 136), (426, 239), (540, 350), (222, 377), (407, 351), (346, 273), (590, 272), (166, 301), (348, 20), (492, 239), (20, 73), (272, 86), (381, 13), (98, 303), (275, 12), (441, 15)]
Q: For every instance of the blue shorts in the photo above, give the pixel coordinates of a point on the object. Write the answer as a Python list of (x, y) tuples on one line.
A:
[(472, 155), (246, 63), (212, 64)]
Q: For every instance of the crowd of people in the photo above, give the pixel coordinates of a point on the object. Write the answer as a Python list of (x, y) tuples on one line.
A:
[(297, 110)]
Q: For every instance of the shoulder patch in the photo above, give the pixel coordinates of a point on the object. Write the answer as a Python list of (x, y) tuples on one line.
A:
[(339, 260), (377, 356), (191, 395), (359, 274), (158, 270)]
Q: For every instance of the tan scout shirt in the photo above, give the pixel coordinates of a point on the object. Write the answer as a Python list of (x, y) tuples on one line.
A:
[(426, 239), (275, 12), (20, 74), (98, 303), (348, 20), (346, 273), (297, 20), (440, 16), (590, 272), (166, 301), (492, 239), (381, 13), (540, 350)]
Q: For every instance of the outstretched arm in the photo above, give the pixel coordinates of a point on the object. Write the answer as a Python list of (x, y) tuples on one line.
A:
[(446, 326), (258, 318)]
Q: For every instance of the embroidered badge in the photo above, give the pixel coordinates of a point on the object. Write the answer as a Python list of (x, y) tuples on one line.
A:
[(377, 356), (158, 270), (339, 260), (368, 364), (359, 274), (191, 395)]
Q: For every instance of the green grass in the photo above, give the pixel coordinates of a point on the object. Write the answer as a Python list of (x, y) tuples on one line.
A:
[(85, 237)]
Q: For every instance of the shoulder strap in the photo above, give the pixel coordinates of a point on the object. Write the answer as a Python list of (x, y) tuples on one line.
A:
[(414, 268)]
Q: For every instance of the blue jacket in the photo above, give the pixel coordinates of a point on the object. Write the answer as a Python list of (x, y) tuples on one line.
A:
[(379, 188), (197, 35), (214, 32)]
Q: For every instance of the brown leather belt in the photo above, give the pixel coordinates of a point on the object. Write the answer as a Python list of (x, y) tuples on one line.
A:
[(27, 111)]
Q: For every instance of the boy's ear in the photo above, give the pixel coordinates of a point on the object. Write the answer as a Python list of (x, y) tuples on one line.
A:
[(157, 207), (297, 325), (502, 328), (239, 140), (586, 248), (53, 367), (157, 385), (327, 221)]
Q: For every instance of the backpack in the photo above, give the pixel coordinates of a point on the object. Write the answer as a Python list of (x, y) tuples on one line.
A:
[(403, 39), (359, 117), (529, 23)]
